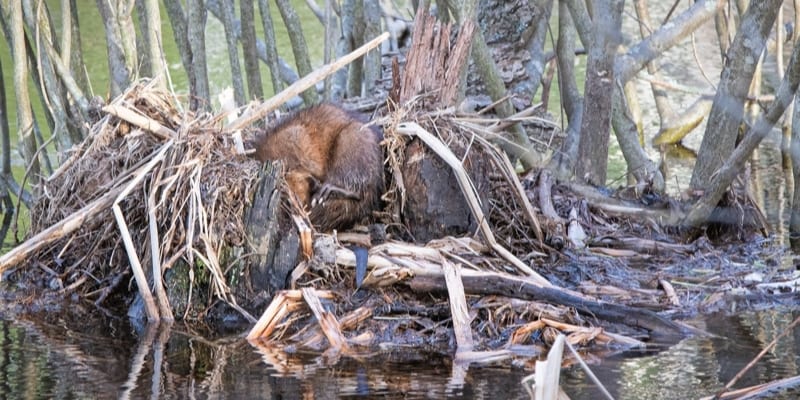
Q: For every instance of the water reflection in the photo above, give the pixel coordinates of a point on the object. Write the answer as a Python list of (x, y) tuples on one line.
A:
[(699, 366), (97, 357), (69, 359)]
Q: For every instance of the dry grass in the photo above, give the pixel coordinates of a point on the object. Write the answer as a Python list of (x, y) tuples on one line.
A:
[(197, 195)]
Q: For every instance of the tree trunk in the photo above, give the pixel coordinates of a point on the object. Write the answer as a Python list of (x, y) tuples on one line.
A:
[(53, 96), (177, 19), (723, 34), (7, 206), (271, 52), (663, 106), (24, 114), (75, 50), (355, 71), (272, 242), (120, 42), (596, 121), (344, 45), (331, 25), (727, 112), (434, 205), (299, 47), (233, 51), (72, 60), (5, 132), (520, 147), (734, 164), (535, 37), (254, 87), (494, 14), (639, 164), (563, 161), (372, 60), (151, 32), (195, 31), (794, 150), (515, 32)]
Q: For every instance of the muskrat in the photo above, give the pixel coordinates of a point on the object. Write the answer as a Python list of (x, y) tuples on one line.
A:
[(333, 161)]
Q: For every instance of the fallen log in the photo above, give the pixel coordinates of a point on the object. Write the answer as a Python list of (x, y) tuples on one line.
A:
[(488, 283)]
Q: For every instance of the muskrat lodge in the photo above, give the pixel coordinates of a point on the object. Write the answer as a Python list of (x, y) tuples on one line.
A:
[(446, 227)]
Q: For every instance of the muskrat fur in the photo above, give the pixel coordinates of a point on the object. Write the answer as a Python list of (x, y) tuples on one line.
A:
[(333, 161)]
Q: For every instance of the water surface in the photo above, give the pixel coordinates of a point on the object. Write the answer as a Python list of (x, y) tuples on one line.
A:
[(49, 357)]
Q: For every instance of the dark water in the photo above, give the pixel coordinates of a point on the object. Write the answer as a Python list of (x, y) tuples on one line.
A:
[(101, 358)]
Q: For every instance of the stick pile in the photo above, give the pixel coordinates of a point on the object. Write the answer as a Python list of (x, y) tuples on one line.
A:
[(152, 185)]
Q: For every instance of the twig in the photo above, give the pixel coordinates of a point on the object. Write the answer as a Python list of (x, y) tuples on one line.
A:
[(758, 357), (700, 63), (759, 391), (282, 304), (589, 372)]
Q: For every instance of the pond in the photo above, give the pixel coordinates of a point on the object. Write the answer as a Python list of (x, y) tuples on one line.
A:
[(54, 358)]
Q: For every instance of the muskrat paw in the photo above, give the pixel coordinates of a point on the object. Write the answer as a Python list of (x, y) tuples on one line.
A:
[(327, 190)]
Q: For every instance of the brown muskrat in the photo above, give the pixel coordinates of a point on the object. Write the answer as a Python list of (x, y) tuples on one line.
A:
[(333, 161)]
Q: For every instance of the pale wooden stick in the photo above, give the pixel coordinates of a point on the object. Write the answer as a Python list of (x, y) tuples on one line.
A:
[(140, 120), (327, 321), (155, 252), (459, 310), (670, 292), (411, 128), (306, 241), (548, 372), (303, 84), (272, 315), (133, 258), (138, 273), (280, 306)]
